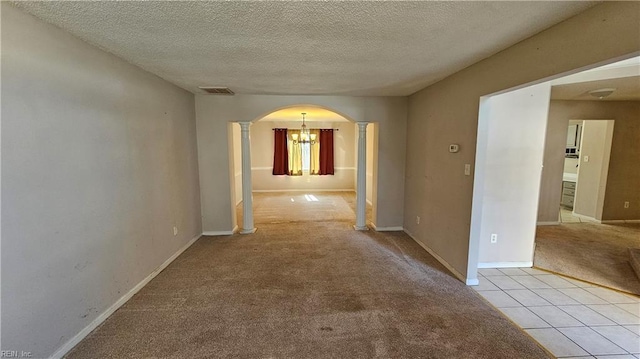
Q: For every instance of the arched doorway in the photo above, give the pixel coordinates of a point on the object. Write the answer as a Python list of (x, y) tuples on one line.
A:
[(252, 145)]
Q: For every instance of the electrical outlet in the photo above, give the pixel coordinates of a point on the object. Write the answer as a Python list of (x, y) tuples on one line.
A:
[(626, 204), (586, 158), (417, 219), (175, 230), (494, 238), (467, 169)]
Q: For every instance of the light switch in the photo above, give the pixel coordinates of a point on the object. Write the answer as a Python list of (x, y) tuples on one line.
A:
[(467, 169)]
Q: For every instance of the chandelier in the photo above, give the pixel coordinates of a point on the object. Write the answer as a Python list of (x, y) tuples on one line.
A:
[(305, 136)]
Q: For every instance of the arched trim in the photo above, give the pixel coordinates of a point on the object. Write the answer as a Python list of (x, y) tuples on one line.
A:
[(265, 114)]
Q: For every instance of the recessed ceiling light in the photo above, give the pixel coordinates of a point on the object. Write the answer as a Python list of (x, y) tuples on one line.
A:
[(601, 93)]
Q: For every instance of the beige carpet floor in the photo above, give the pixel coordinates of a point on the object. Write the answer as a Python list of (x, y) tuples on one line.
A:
[(307, 290), (286, 207), (593, 252)]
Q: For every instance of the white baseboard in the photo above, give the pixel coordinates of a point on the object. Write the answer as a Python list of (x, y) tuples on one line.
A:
[(556, 223), (220, 233), (386, 229), (606, 221), (505, 265), (443, 262), (305, 190), (618, 221), (472, 281), (594, 220), (66, 347)]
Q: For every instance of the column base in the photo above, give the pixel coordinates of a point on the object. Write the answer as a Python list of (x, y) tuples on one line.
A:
[(357, 228), (248, 231)]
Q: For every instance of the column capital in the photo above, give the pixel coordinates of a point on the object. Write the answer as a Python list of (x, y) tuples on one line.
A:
[(244, 125), (362, 125)]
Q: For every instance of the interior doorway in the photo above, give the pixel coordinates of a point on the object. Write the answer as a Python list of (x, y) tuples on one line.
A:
[(586, 166), (509, 155), (582, 175), (304, 195), (580, 245)]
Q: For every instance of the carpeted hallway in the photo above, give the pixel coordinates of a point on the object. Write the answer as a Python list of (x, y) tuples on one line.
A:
[(307, 289)]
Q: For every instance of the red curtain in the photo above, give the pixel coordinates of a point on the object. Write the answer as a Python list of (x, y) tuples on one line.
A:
[(326, 152), (280, 152)]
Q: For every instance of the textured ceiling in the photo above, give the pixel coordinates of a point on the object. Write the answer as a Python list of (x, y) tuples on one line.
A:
[(351, 48), (627, 89)]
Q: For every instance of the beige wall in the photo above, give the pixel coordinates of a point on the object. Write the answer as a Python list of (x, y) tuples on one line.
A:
[(98, 164), (214, 112), (592, 174), (507, 177), (262, 159), (624, 173), (447, 112)]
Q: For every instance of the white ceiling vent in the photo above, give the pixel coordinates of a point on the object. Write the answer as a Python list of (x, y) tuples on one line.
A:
[(216, 90)]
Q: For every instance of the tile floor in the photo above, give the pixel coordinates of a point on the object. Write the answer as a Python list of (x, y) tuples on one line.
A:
[(572, 319), (566, 216)]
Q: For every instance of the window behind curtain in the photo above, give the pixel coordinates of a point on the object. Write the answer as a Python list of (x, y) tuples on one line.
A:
[(306, 157), (295, 155)]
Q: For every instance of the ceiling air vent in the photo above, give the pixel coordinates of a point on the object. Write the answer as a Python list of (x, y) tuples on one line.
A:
[(216, 90)]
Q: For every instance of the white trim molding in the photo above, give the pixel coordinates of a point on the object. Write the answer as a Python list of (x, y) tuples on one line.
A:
[(386, 229), (556, 223), (220, 233), (472, 281), (614, 221), (605, 221), (469, 281), (505, 265), (66, 347)]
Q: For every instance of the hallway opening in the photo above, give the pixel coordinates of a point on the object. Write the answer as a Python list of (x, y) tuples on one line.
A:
[(301, 192)]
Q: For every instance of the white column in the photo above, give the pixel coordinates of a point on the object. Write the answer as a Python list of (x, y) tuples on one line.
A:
[(247, 199), (361, 183)]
